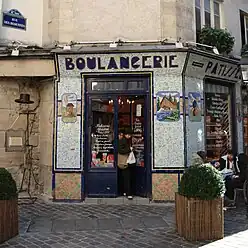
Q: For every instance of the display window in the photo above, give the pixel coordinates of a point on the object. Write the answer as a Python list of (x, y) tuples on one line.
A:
[(218, 120), (245, 117)]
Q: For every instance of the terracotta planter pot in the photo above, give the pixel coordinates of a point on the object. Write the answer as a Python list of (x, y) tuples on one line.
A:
[(199, 219), (9, 223)]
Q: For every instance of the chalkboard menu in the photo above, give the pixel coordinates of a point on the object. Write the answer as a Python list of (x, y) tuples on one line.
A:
[(102, 147), (217, 124), (138, 141)]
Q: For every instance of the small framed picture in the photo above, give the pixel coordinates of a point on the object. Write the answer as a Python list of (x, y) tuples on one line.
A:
[(194, 106), (69, 108)]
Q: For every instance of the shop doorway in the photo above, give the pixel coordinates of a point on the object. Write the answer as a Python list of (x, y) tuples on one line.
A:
[(114, 104)]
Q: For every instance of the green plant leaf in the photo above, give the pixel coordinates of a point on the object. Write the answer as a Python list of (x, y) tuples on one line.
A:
[(202, 182), (8, 189), (220, 38)]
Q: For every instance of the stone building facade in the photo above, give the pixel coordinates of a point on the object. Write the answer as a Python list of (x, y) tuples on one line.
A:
[(90, 24)]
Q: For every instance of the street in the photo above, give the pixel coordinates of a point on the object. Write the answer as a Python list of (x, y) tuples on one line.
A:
[(81, 225)]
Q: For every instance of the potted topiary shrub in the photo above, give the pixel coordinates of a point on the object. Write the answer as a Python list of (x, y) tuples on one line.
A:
[(8, 206), (199, 204), (219, 38)]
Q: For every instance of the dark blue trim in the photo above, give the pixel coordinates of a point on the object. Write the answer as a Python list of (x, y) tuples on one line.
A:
[(164, 171), (179, 179), (82, 187), (67, 200), (185, 110), (53, 181), (68, 171)]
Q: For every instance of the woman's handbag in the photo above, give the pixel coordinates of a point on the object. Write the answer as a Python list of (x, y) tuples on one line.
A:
[(122, 161), (131, 158)]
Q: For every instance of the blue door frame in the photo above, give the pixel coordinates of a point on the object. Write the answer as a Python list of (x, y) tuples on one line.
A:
[(102, 182)]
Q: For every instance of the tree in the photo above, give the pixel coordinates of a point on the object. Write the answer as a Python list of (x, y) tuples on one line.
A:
[(219, 38)]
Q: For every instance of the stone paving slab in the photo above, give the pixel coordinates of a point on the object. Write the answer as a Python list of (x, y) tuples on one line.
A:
[(120, 226)]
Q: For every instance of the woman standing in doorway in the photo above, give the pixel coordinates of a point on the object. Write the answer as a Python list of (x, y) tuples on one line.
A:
[(126, 170)]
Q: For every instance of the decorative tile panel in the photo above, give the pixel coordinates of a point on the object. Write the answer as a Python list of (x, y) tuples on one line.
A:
[(194, 130), (164, 186), (167, 69), (68, 186), (68, 145)]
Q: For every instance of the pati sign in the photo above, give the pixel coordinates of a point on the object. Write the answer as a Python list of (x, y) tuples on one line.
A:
[(223, 70), (121, 62), (201, 66)]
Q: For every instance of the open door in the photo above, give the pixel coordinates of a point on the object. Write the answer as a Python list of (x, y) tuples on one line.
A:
[(101, 138), (131, 114)]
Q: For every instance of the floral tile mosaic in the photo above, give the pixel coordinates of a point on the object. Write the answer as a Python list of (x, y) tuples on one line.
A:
[(68, 186), (164, 186)]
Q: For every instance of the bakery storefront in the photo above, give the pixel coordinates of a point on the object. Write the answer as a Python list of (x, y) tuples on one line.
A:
[(175, 101)]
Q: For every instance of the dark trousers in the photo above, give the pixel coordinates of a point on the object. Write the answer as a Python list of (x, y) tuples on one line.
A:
[(126, 181), (231, 184)]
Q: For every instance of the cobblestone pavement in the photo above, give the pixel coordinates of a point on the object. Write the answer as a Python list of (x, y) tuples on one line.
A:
[(79, 225)]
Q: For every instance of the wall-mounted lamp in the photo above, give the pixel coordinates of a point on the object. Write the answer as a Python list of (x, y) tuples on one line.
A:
[(113, 45), (67, 47), (214, 49), (15, 52)]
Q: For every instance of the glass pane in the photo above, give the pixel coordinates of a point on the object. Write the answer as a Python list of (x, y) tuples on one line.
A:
[(131, 117), (216, 21), (102, 133), (207, 19), (216, 8), (246, 22), (198, 19), (135, 85), (218, 124), (207, 5), (104, 85), (198, 3)]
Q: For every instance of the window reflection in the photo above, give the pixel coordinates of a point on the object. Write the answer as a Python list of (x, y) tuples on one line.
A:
[(102, 134), (117, 85)]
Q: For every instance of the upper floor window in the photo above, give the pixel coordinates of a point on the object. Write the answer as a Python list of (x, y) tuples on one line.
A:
[(207, 14), (244, 27)]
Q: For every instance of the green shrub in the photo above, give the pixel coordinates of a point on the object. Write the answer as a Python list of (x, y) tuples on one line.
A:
[(8, 188), (202, 182), (219, 38)]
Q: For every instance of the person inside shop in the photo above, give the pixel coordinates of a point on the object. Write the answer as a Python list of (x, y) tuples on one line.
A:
[(127, 168), (237, 179)]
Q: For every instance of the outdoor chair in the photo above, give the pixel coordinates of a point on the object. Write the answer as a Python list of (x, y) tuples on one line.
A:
[(244, 190)]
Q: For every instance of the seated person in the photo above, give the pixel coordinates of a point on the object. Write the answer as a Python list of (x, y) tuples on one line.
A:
[(198, 158), (238, 179), (227, 162)]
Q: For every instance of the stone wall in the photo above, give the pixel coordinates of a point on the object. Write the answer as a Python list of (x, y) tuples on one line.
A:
[(10, 89), (46, 136), (41, 128)]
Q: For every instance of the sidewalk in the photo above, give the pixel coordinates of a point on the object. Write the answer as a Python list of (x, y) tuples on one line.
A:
[(239, 240)]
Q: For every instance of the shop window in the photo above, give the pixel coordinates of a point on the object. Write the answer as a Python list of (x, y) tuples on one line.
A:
[(218, 120), (245, 117), (102, 133), (207, 14)]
